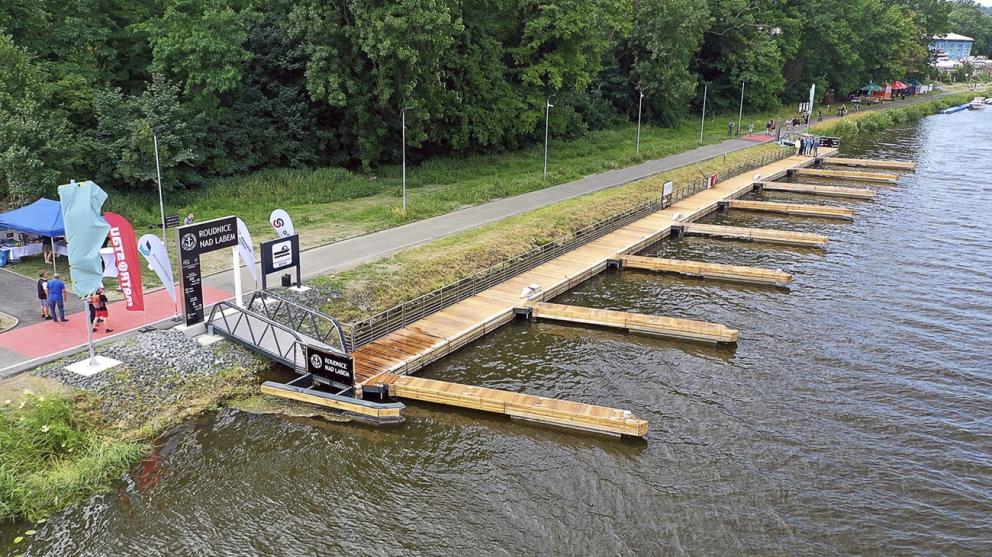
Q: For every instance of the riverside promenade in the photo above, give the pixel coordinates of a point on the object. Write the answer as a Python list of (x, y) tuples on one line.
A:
[(27, 346)]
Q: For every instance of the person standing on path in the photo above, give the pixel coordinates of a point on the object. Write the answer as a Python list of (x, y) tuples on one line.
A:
[(56, 298), (98, 311), (43, 294), (188, 220), (730, 129)]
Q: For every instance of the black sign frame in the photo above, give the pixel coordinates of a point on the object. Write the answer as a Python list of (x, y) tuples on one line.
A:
[(268, 258), (335, 367), (194, 240)]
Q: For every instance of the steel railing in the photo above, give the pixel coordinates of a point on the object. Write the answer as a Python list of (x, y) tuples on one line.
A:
[(355, 335), (263, 335), (303, 320)]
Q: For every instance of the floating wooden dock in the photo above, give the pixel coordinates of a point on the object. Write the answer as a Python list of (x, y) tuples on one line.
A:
[(795, 209), (576, 415), (783, 237), (814, 189), (868, 177), (869, 163), (654, 325), (717, 271)]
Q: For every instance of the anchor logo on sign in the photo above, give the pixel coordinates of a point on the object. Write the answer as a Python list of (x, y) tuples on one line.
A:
[(316, 360), (189, 242)]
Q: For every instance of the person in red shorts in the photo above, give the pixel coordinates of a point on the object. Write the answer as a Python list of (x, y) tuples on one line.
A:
[(98, 310)]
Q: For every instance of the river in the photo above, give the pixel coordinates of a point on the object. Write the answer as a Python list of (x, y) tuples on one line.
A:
[(854, 416)]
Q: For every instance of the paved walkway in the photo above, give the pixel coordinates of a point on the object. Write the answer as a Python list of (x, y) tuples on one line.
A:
[(20, 298), (355, 251)]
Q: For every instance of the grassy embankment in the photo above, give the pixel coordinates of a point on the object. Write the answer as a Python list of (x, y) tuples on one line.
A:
[(376, 286), (60, 445)]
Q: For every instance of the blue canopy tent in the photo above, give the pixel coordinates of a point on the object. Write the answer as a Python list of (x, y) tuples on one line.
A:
[(43, 217)]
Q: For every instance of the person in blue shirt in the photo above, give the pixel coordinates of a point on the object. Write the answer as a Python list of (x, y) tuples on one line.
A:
[(56, 298)]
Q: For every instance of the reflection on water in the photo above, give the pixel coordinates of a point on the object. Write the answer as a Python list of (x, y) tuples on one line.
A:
[(853, 417)]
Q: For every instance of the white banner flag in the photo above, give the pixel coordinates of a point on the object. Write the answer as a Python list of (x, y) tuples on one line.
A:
[(280, 220), (246, 248), (157, 255)]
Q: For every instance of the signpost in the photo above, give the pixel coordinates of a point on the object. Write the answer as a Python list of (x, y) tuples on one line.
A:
[(666, 195), (172, 221), (194, 240), (281, 254), (337, 368)]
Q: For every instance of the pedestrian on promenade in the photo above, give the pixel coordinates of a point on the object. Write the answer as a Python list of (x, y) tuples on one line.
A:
[(43, 294), (189, 219), (816, 146), (750, 128), (730, 129), (98, 310), (56, 298)]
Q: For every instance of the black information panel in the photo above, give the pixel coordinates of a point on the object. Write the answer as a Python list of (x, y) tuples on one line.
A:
[(172, 221), (280, 254), (196, 239), (830, 142), (331, 366)]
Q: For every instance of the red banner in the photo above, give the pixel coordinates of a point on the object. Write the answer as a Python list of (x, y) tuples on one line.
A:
[(126, 258)]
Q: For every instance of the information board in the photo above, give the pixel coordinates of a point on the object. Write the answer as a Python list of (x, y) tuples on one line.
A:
[(194, 240), (332, 366)]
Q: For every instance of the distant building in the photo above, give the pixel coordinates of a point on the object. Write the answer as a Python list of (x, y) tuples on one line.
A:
[(951, 46)]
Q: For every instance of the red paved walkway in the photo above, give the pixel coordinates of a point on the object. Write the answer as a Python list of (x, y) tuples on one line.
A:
[(42, 339)]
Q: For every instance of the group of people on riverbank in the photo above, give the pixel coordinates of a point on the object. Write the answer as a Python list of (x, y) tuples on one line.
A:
[(51, 297), (808, 145)]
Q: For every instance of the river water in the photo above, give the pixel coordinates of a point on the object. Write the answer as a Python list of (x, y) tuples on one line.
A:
[(852, 418)]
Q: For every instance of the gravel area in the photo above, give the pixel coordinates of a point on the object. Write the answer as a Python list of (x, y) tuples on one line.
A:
[(155, 366), (319, 294)]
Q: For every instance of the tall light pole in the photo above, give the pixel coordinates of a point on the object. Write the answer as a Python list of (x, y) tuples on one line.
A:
[(158, 172), (639, 101), (547, 116), (740, 115), (403, 133), (702, 124)]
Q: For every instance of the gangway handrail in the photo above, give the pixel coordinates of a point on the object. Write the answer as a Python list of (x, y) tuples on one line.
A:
[(303, 314)]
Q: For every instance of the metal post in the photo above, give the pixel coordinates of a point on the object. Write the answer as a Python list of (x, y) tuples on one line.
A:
[(54, 254), (740, 114), (403, 134), (639, 101), (547, 116), (702, 124), (158, 172), (89, 332), (238, 297)]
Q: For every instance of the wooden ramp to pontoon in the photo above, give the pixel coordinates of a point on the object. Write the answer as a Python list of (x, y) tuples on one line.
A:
[(783, 237), (717, 271), (429, 339), (794, 209), (655, 325), (869, 177), (564, 413), (816, 189), (869, 163)]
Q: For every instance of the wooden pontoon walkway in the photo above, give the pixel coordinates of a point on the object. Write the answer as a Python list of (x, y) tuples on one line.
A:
[(794, 209), (869, 163), (429, 339), (816, 189), (716, 271), (782, 237), (655, 325), (868, 177), (546, 410)]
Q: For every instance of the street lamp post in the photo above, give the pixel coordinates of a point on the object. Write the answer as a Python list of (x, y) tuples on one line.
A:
[(403, 133), (702, 124), (547, 116), (639, 101), (740, 115)]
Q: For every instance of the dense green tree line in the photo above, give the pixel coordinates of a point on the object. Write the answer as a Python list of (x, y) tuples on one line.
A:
[(232, 86)]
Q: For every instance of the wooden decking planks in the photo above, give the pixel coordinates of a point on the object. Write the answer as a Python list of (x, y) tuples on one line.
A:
[(795, 209), (784, 237), (403, 353), (870, 163), (815, 189), (869, 177), (733, 273), (670, 327), (552, 411)]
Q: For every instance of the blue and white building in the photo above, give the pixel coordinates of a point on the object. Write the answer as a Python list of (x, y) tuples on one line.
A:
[(951, 46)]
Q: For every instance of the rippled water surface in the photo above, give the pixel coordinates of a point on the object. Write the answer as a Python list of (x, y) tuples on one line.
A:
[(852, 418)]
